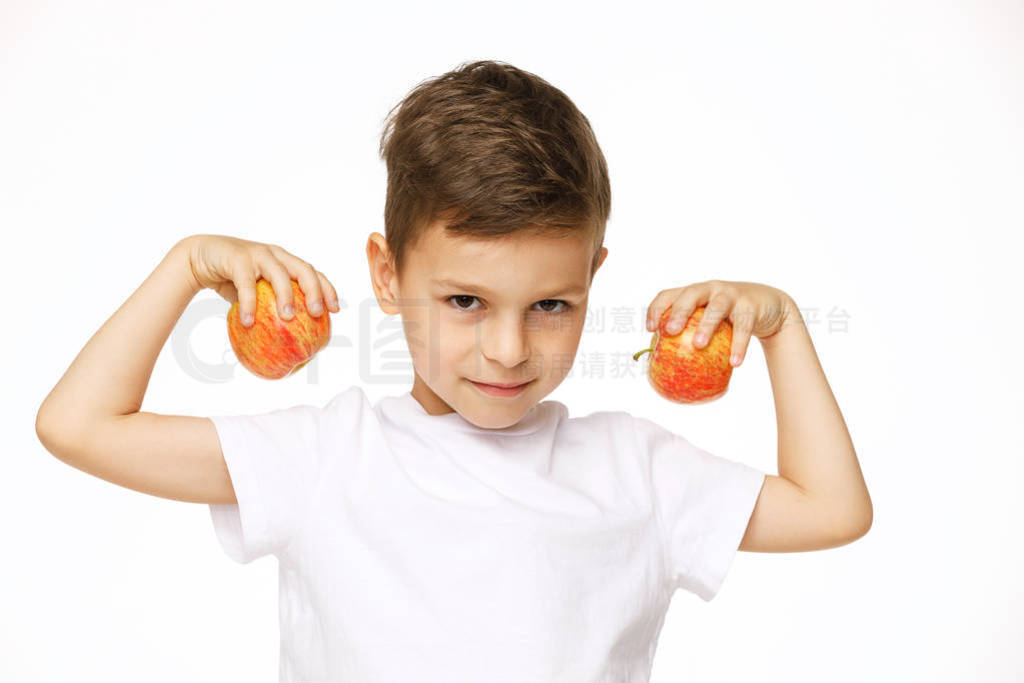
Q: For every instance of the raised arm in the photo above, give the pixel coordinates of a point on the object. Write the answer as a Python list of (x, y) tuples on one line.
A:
[(91, 419), (820, 499)]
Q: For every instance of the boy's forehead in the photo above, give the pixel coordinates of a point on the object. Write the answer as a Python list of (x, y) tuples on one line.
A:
[(482, 261), (439, 249)]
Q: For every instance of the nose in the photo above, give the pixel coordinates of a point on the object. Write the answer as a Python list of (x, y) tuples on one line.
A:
[(503, 339)]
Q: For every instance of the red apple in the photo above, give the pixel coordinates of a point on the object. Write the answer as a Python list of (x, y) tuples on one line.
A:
[(273, 348), (683, 373)]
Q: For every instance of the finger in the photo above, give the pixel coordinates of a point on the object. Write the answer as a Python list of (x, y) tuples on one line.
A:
[(244, 275), (684, 306), (718, 307), (661, 303), (281, 281), (330, 294), (742, 318), (312, 290), (306, 276)]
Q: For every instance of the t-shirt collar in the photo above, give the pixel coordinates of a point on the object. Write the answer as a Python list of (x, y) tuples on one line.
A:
[(407, 404)]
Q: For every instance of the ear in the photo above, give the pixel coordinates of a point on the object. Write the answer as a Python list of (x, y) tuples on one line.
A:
[(382, 273), (604, 255)]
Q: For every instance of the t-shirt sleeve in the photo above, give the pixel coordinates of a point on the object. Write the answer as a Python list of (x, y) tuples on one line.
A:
[(703, 503), (273, 459)]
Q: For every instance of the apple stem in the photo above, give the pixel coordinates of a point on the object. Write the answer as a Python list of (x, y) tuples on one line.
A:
[(640, 353)]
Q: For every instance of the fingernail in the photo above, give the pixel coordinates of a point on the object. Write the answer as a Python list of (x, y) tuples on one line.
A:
[(315, 308), (672, 327), (735, 359), (288, 310), (699, 340), (247, 319)]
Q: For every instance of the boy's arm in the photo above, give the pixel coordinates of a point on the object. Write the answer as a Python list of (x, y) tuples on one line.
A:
[(820, 499), (91, 418)]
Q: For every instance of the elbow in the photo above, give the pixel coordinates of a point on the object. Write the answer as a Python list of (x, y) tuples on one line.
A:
[(859, 514), (861, 530), (44, 431), (869, 518), (848, 522), (860, 524), (52, 433), (843, 533), (41, 424)]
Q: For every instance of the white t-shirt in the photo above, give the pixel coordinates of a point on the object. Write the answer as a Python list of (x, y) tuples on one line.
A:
[(418, 547)]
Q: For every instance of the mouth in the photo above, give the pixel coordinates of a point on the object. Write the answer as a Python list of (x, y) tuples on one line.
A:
[(503, 385), (500, 389)]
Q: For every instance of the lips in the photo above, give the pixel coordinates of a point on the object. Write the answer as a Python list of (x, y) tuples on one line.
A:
[(499, 391), (505, 385)]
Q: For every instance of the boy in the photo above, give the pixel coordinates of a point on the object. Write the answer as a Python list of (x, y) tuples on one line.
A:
[(464, 531)]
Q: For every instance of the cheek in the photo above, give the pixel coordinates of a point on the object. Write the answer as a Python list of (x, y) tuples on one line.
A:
[(414, 325), (454, 339), (561, 329)]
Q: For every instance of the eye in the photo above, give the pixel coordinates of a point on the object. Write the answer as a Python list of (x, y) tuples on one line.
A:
[(456, 299), (565, 305)]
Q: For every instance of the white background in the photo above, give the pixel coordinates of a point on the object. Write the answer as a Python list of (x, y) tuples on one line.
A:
[(864, 157)]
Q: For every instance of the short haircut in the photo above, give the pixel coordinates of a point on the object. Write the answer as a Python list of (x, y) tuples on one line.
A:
[(492, 151)]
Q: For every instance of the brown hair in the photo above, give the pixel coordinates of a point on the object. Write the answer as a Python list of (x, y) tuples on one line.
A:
[(493, 151)]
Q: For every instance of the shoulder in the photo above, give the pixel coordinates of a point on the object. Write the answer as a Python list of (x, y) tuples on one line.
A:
[(348, 411), (302, 421), (598, 418), (351, 398), (618, 421), (612, 427)]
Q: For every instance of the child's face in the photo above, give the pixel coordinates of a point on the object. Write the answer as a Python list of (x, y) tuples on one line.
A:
[(516, 315)]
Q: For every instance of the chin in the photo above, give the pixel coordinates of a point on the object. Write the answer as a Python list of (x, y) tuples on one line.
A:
[(503, 425), (491, 421)]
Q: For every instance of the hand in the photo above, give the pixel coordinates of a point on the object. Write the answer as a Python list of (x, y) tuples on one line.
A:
[(752, 308), (231, 266)]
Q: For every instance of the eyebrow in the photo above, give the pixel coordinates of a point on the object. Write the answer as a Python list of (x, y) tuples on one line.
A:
[(447, 282)]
